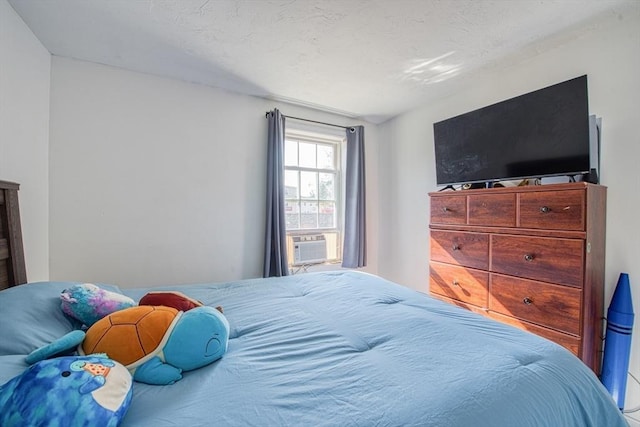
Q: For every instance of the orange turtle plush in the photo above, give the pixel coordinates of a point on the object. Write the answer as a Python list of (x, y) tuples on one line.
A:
[(138, 332), (158, 343)]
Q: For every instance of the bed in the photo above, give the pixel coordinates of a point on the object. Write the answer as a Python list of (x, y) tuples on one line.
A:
[(340, 348)]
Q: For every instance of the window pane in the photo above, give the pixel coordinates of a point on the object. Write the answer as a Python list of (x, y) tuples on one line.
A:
[(307, 155), (327, 215), (292, 214), (290, 184), (308, 185), (312, 180), (326, 157), (309, 214), (290, 153), (327, 186)]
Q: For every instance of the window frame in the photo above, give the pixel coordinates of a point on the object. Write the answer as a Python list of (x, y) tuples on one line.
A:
[(318, 138)]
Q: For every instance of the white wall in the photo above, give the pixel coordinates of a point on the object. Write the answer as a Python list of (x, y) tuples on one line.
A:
[(24, 133), (156, 181), (610, 56)]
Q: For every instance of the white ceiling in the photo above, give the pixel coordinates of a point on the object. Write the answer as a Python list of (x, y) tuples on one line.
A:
[(370, 59)]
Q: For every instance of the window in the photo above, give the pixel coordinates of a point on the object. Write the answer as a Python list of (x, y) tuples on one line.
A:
[(312, 187)]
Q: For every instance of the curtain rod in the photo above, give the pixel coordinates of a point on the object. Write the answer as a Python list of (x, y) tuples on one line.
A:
[(312, 121)]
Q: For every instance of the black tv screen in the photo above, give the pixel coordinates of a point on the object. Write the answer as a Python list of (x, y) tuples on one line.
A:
[(538, 134)]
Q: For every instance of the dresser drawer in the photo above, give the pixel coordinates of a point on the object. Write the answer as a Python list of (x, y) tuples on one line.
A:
[(553, 306), (569, 342), (495, 210), (457, 247), (553, 210), (540, 258), (463, 284), (449, 210)]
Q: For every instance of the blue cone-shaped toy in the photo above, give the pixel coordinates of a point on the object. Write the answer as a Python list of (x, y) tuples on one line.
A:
[(617, 347)]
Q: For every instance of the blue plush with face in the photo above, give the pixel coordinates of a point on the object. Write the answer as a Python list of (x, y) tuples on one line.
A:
[(67, 391)]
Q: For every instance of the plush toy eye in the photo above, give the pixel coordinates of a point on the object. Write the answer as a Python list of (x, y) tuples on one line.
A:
[(65, 373)]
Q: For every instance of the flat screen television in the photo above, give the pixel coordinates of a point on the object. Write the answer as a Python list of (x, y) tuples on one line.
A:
[(538, 134)]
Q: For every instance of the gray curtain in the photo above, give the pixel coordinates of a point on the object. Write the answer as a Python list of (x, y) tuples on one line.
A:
[(354, 251), (275, 248)]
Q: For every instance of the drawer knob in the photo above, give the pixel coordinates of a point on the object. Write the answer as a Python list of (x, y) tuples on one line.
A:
[(545, 209), (528, 257), (446, 209), (527, 301), (455, 283), (456, 247)]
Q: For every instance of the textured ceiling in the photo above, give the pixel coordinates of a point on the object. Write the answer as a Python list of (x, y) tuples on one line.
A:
[(370, 59)]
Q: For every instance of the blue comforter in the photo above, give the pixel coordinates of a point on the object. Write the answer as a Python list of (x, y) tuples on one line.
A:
[(351, 349)]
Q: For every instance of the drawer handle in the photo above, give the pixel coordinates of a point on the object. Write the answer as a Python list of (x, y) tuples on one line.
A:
[(527, 301), (446, 209), (545, 209), (528, 257), (456, 247), (455, 283)]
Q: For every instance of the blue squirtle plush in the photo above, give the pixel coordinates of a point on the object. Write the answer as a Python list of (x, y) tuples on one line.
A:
[(67, 391), (157, 343)]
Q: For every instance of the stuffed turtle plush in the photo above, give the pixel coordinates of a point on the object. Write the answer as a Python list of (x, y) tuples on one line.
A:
[(158, 343)]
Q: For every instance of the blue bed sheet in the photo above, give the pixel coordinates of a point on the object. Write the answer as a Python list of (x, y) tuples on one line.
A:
[(352, 349)]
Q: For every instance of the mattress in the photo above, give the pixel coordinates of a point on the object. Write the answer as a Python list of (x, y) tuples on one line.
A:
[(341, 349)]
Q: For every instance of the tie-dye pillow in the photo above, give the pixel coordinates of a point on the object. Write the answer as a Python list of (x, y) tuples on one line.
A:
[(67, 391), (89, 303)]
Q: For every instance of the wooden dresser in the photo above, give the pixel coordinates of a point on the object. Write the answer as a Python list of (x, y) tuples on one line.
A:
[(12, 265), (532, 257)]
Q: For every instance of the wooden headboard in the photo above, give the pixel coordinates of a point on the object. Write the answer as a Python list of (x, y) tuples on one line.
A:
[(12, 267)]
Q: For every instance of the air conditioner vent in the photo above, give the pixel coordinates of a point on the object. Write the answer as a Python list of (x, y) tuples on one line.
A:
[(309, 249)]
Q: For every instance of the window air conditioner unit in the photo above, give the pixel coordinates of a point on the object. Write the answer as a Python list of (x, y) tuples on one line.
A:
[(309, 249)]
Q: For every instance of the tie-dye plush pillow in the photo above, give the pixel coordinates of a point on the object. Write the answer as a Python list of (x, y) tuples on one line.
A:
[(89, 303), (67, 391)]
